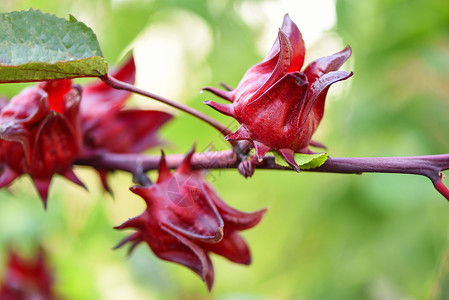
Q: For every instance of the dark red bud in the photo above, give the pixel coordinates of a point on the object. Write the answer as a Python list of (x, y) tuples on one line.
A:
[(24, 279), (41, 134), (185, 220), (246, 168), (279, 107)]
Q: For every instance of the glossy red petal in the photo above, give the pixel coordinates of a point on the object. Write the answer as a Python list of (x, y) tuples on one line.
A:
[(20, 140), (184, 219), (42, 185), (185, 166), (114, 135), (179, 202), (271, 120), (290, 29), (72, 101), (240, 134), (297, 43), (256, 76), (188, 254), (172, 246), (137, 222), (226, 109), (7, 175), (327, 64), (59, 136), (56, 90), (233, 247), (261, 149), (147, 193), (104, 181), (233, 218), (281, 68), (199, 232), (320, 67), (286, 55), (135, 239), (280, 105), (317, 91), (30, 106), (70, 175), (227, 95), (164, 171), (287, 154)]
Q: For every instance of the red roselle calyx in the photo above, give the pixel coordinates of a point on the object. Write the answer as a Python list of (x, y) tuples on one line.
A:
[(278, 106), (41, 134), (46, 127), (24, 279), (185, 220)]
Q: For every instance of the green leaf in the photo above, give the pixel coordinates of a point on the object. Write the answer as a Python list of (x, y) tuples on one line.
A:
[(304, 161), (37, 46)]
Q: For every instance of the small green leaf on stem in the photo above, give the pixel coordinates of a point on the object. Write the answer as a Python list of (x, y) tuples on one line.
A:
[(304, 161), (37, 46)]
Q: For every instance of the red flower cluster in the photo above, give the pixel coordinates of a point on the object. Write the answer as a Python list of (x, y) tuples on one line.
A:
[(27, 279), (46, 127), (186, 220), (278, 106)]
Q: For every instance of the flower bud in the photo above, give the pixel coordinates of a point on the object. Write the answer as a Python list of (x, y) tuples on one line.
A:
[(278, 106), (185, 220), (246, 168), (41, 134), (24, 279)]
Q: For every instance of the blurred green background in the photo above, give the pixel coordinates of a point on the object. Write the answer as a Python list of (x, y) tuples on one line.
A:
[(326, 236)]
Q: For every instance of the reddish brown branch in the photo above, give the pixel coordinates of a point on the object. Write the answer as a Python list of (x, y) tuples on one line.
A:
[(429, 166)]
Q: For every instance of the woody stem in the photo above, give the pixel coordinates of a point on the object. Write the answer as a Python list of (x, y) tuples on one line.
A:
[(429, 166), (120, 85)]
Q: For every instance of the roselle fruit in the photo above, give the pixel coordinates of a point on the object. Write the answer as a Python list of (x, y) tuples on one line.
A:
[(27, 279), (278, 106), (41, 134), (45, 128), (186, 220)]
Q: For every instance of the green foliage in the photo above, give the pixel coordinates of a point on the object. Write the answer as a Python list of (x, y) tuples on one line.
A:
[(37, 46), (304, 161)]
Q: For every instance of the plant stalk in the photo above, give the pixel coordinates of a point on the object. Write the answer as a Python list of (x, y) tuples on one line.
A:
[(120, 85), (429, 166)]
